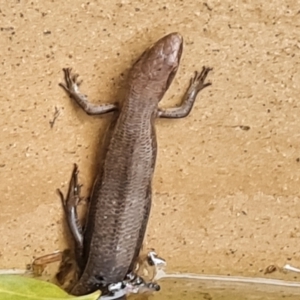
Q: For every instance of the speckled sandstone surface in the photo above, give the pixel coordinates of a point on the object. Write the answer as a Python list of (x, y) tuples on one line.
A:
[(226, 187)]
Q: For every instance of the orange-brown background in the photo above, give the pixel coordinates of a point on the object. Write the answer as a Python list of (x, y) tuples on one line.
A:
[(226, 199)]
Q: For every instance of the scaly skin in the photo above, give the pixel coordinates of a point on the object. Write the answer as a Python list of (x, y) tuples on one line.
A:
[(121, 199)]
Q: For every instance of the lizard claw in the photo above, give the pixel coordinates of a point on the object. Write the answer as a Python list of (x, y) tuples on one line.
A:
[(71, 81), (197, 82)]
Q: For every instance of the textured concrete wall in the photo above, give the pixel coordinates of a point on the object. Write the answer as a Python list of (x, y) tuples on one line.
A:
[(226, 186)]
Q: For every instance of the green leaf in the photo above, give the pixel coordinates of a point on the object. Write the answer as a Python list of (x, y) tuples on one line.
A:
[(13, 287)]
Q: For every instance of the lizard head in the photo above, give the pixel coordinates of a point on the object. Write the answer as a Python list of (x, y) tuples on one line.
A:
[(157, 66)]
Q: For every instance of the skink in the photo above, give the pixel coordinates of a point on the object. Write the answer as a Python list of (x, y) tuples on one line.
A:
[(120, 203)]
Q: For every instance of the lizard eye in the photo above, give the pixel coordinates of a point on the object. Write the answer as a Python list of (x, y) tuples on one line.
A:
[(171, 77), (173, 72)]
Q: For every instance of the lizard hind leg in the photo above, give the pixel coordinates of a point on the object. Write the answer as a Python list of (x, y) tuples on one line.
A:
[(70, 208)]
